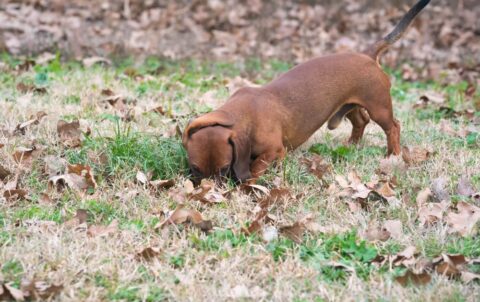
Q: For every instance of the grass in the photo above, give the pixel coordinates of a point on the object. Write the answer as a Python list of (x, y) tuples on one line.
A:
[(192, 265)]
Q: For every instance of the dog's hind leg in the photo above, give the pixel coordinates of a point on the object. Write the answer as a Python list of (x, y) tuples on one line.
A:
[(359, 119), (336, 119)]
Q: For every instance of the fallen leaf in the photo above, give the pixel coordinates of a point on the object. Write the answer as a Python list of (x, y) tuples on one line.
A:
[(413, 278), (11, 195), (394, 227), (44, 199), (25, 88), (376, 233), (90, 61), (10, 292), (468, 277), (432, 212), (141, 178), (161, 184), (182, 215), (390, 165), (101, 230), (405, 257), (34, 120), (40, 290), (294, 232), (465, 220), (54, 165), (439, 189), (316, 165), (148, 253), (464, 187), (25, 156), (4, 173), (80, 217), (433, 97), (386, 190), (415, 155), (423, 196), (69, 133)]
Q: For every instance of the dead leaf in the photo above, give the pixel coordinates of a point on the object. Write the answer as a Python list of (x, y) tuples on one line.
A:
[(89, 62), (11, 195), (148, 253), (40, 290), (433, 97), (464, 187), (26, 88), (414, 279), (54, 165), (390, 165), (161, 184), (439, 189), (101, 230), (468, 277), (81, 217), (34, 120), (78, 177), (405, 257), (69, 133), (269, 233), (386, 190), (294, 232), (4, 173), (376, 233), (44, 199), (316, 165), (394, 227), (465, 220), (141, 178), (432, 212), (415, 155), (423, 196), (182, 215), (10, 292), (25, 156)]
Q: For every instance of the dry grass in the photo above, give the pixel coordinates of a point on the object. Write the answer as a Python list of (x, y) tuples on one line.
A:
[(225, 264)]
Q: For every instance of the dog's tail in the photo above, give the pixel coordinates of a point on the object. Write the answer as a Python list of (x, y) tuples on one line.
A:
[(376, 49)]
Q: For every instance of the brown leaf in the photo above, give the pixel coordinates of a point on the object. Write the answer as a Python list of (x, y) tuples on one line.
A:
[(11, 195), (45, 199), (148, 253), (375, 233), (85, 172), (89, 62), (4, 173), (386, 190), (101, 230), (25, 88), (182, 215), (69, 133), (25, 156), (394, 227), (34, 120), (464, 187), (433, 97), (161, 184), (415, 155), (40, 290), (432, 212), (11, 293), (316, 165), (423, 196), (294, 232), (81, 217), (141, 178), (159, 110), (413, 278), (465, 220)]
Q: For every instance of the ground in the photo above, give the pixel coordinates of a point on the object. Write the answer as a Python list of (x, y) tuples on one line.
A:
[(118, 248)]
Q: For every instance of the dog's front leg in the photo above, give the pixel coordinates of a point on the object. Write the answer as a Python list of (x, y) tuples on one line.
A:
[(263, 161)]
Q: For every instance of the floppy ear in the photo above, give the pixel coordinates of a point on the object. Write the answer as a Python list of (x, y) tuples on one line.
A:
[(214, 118), (241, 157)]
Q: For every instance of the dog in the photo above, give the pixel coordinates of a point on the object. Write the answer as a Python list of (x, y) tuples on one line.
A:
[(257, 126)]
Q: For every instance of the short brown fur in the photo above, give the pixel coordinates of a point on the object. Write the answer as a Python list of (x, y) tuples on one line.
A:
[(256, 126)]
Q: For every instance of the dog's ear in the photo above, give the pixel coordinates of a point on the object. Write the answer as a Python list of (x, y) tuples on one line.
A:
[(241, 157), (214, 118)]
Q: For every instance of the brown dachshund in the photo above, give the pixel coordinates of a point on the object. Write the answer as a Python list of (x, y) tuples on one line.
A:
[(257, 125)]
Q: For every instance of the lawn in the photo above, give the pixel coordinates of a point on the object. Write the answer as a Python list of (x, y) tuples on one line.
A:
[(343, 216)]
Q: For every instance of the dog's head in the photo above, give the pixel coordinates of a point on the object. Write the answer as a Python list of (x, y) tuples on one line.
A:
[(214, 148)]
